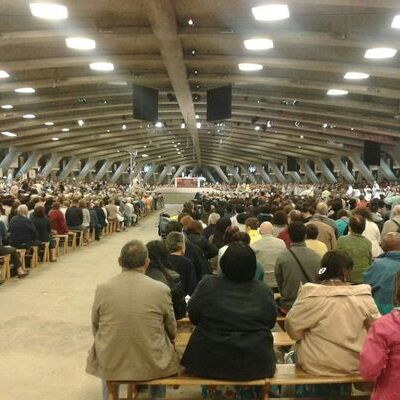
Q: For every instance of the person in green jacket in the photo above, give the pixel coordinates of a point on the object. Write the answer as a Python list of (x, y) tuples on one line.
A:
[(357, 247)]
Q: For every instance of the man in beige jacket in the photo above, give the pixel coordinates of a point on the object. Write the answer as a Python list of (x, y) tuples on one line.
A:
[(133, 325)]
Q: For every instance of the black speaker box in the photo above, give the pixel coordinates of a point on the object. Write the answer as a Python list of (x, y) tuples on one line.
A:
[(145, 103), (219, 103), (291, 164), (372, 153)]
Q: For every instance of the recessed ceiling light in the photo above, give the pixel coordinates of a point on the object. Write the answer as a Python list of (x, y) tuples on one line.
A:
[(396, 22), (356, 75), (29, 116), (257, 128), (55, 139), (81, 122), (25, 90), (65, 129), (4, 74), (271, 12), (145, 147), (80, 43), (49, 123), (9, 134), (250, 67), (102, 66), (145, 155), (190, 22), (118, 83), (380, 52), (124, 127), (258, 44), (49, 11), (183, 125), (7, 107), (158, 124), (301, 136), (159, 156), (197, 116), (324, 125), (198, 125), (336, 92)]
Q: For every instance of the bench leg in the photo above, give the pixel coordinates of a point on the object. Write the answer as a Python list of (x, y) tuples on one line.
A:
[(265, 392), (112, 391)]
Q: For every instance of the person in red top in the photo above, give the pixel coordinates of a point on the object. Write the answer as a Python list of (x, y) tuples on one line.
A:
[(57, 220), (294, 215)]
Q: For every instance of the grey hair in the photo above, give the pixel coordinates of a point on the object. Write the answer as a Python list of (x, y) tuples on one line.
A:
[(213, 218), (174, 241), (322, 208), (22, 210), (133, 255)]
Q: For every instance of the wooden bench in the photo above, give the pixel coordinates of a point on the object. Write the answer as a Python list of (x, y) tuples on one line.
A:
[(5, 267), (187, 322), (64, 243), (46, 252), (286, 375), (281, 339)]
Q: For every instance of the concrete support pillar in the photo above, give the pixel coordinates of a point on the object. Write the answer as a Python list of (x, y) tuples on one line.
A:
[(362, 168), (394, 152), (386, 171), (235, 175), (68, 168), (31, 161), (51, 164), (135, 172), (12, 156), (122, 167), (278, 174), (295, 176), (249, 174), (326, 172), (177, 173), (308, 171), (208, 174), (341, 166), (196, 169), (86, 169), (103, 170), (163, 173), (264, 176), (221, 174), (150, 172)]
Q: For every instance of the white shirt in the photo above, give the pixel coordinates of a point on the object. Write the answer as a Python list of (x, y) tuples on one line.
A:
[(372, 233)]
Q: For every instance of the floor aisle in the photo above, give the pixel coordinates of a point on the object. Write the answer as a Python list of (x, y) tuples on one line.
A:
[(45, 321)]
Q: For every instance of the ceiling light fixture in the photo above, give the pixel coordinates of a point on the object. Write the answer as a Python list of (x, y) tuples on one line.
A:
[(4, 74), (7, 107), (183, 125), (337, 92), (65, 129), (81, 122), (145, 155), (9, 134), (124, 127), (356, 75), (198, 125), (158, 124), (257, 128), (49, 123), (380, 53), (258, 44), (250, 67), (29, 116), (190, 22), (271, 12), (49, 11), (197, 116), (55, 139), (80, 43), (25, 90), (102, 66), (396, 22)]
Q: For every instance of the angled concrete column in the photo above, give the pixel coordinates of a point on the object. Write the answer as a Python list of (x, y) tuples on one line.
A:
[(295, 176), (177, 173), (71, 164), (163, 174), (278, 174), (249, 174), (150, 172), (51, 164), (394, 152), (341, 166), (326, 172), (362, 168), (264, 176), (386, 171), (135, 172), (221, 173), (122, 167), (195, 170), (235, 175), (12, 156), (86, 169), (208, 174), (308, 171), (31, 161), (103, 170)]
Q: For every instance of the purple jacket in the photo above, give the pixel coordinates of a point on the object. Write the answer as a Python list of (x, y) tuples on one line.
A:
[(380, 357)]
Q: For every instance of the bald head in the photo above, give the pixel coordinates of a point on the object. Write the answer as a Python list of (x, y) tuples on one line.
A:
[(391, 242), (266, 228), (396, 210)]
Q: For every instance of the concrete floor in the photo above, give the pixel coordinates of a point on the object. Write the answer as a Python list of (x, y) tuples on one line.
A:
[(45, 321)]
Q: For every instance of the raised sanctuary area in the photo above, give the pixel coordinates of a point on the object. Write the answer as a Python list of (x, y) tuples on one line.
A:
[(199, 199)]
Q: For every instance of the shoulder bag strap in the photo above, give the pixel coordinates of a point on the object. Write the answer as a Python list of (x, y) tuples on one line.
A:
[(301, 266), (398, 225)]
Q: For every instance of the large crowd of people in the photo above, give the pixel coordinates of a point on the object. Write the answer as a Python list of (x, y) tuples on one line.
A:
[(331, 256)]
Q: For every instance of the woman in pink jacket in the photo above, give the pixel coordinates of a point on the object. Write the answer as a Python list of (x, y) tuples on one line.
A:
[(380, 355)]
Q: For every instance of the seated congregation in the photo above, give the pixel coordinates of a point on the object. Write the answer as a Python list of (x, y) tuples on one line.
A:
[(250, 266)]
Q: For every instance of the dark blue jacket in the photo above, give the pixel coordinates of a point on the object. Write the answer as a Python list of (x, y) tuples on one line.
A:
[(22, 231)]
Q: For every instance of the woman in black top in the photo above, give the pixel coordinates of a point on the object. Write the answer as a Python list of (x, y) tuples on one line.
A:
[(42, 225)]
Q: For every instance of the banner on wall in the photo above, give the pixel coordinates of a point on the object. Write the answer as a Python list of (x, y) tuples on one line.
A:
[(32, 173)]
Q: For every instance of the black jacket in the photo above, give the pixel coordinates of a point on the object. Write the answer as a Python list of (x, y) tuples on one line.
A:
[(73, 216), (232, 339), (184, 267), (43, 227), (101, 217), (209, 250), (22, 231)]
